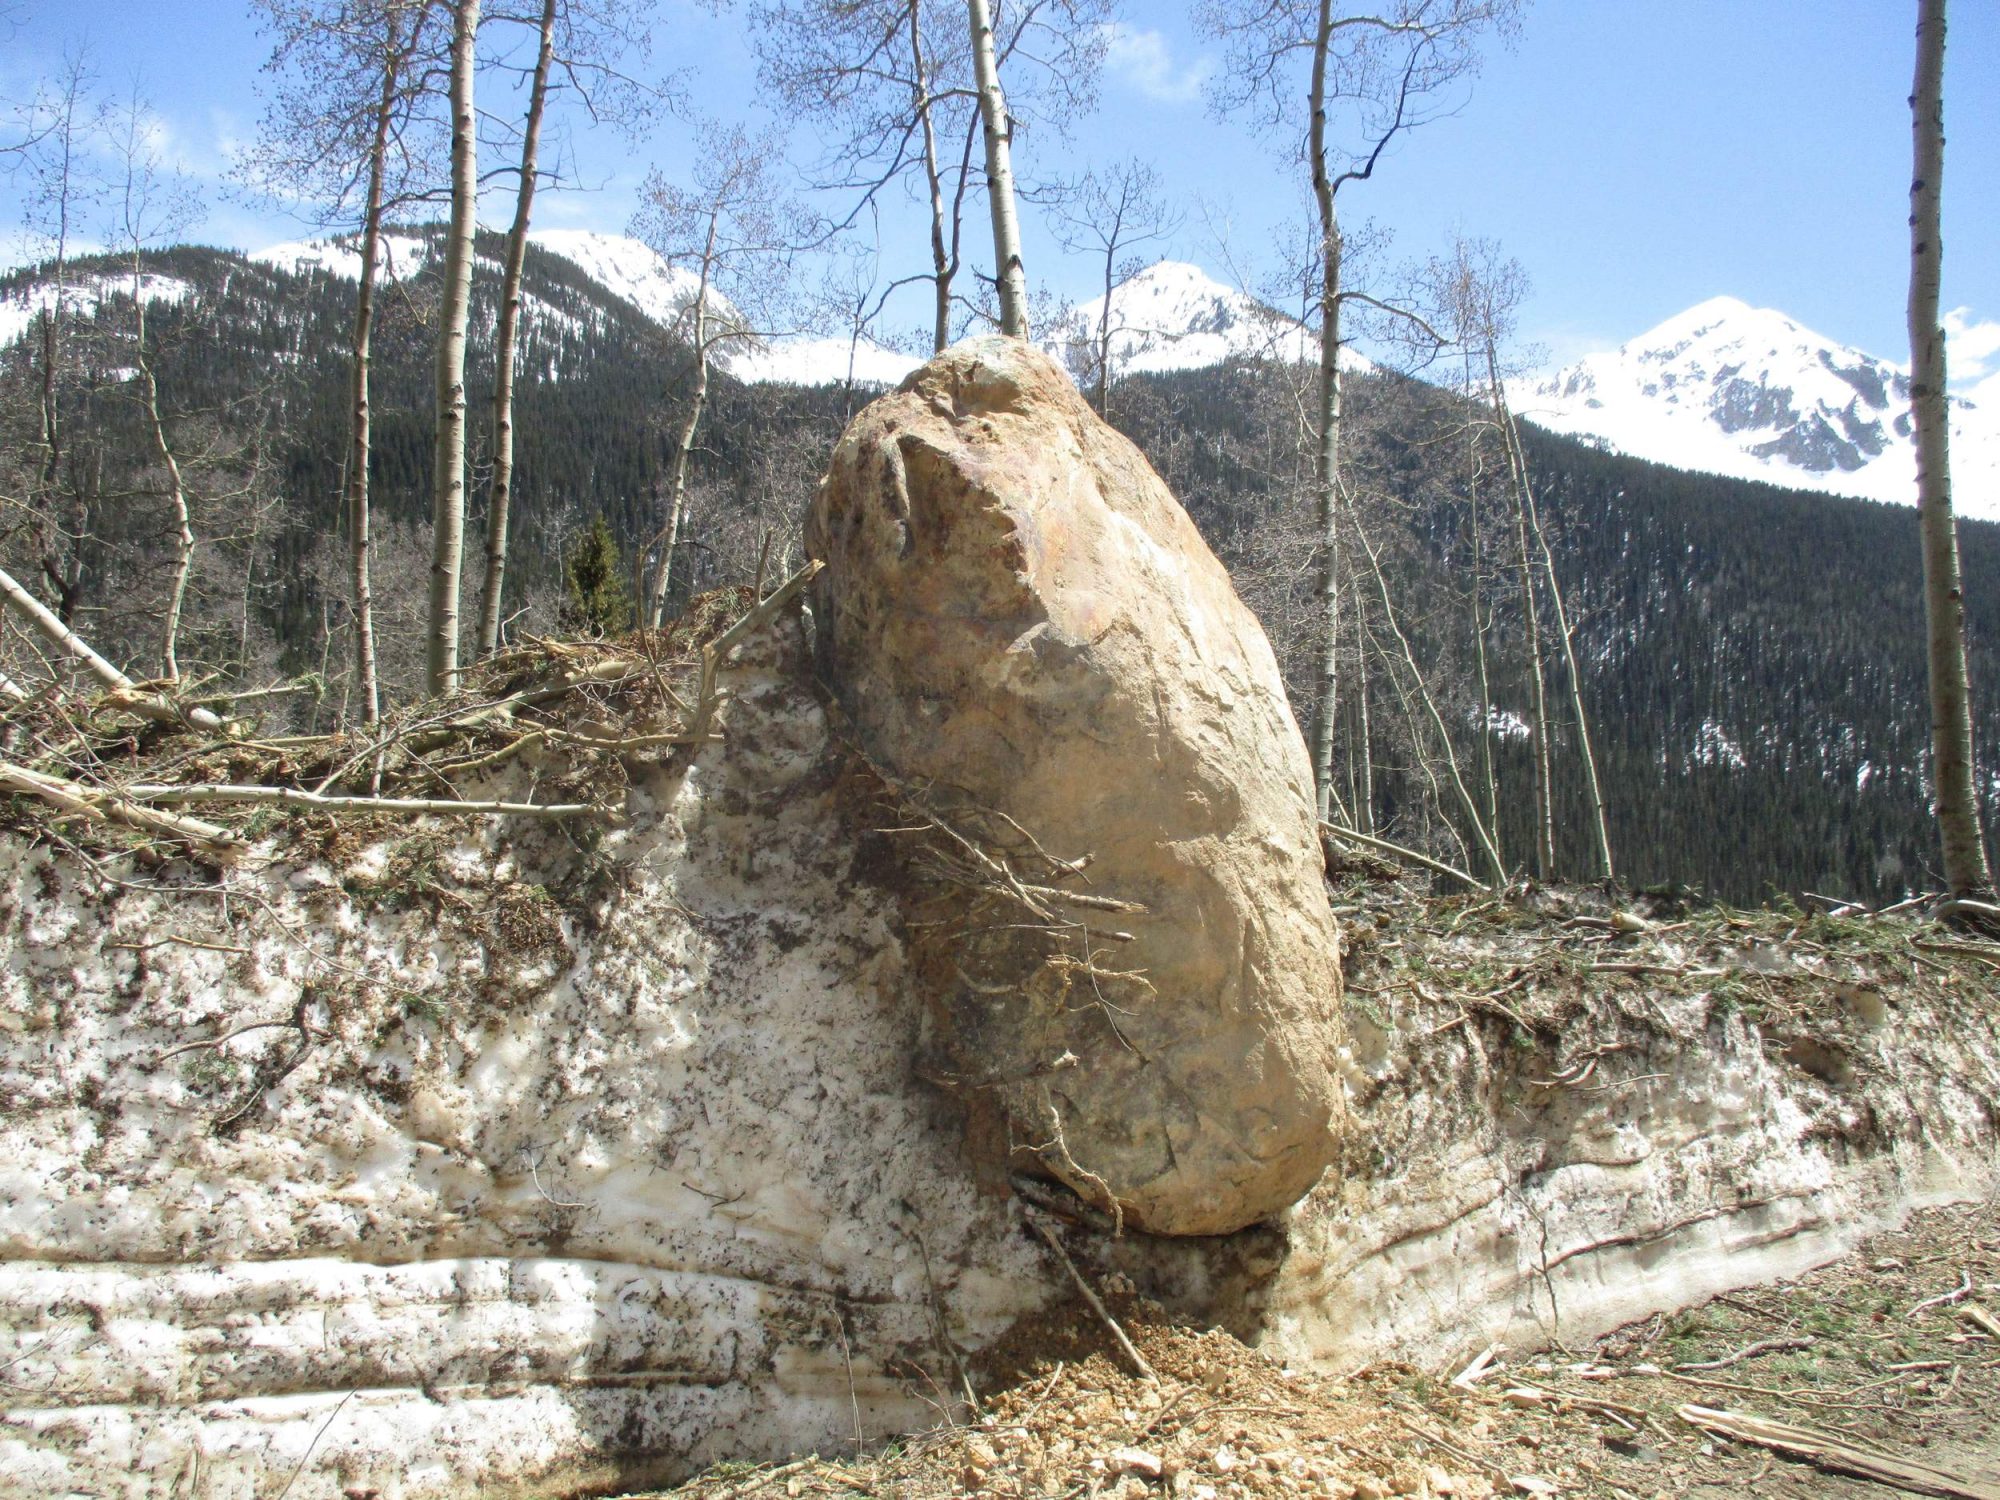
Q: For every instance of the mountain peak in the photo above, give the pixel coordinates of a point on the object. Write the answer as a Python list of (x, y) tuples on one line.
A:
[(1751, 393)]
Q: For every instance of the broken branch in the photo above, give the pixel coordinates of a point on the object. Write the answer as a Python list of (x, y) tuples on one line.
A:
[(1130, 1349), (1825, 1451), (1422, 860)]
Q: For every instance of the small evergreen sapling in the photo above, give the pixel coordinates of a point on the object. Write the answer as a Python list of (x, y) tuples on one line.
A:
[(596, 604)]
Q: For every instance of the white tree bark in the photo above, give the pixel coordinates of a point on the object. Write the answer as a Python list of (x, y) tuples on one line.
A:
[(359, 442), (1585, 748), (177, 501), (1326, 457), (1966, 871), (1010, 276), (941, 261), (505, 336), (1545, 854), (448, 465), (670, 534)]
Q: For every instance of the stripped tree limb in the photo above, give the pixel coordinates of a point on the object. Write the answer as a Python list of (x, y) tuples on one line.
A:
[(107, 807), (1424, 860), (707, 700), (125, 693), (289, 796)]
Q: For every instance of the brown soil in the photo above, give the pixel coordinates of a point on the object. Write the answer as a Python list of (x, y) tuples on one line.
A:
[(1848, 1350)]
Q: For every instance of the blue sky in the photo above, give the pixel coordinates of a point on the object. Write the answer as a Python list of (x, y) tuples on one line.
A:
[(1636, 156)]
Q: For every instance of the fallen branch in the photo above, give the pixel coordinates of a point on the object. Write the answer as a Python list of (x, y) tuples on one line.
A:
[(707, 700), (1762, 1346), (124, 692), (1946, 1299), (1422, 860), (1981, 1319), (1825, 1451), (230, 1036), (1986, 955), (107, 807), (288, 796), (1130, 1349)]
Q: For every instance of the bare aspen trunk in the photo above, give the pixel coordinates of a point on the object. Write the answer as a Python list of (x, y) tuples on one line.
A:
[(1545, 831), (359, 442), (1104, 337), (941, 263), (1326, 468), (183, 566), (1583, 742), (1364, 727), (1409, 656), (505, 335), (1966, 871), (74, 646), (1009, 275), (54, 629), (51, 472), (448, 463), (670, 534), (1479, 618)]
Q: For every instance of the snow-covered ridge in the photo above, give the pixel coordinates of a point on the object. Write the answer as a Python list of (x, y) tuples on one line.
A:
[(403, 254), (1747, 392), (633, 270), (20, 309)]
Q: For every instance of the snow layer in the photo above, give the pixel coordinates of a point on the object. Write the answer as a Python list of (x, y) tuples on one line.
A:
[(1744, 391), (403, 255), (576, 1200), (651, 1188)]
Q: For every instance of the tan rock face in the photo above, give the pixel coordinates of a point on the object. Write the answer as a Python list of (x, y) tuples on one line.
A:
[(1029, 633)]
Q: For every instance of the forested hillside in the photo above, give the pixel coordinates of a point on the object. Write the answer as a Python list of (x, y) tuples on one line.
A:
[(1752, 658)]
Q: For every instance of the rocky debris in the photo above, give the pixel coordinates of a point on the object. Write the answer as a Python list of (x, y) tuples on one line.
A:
[(1027, 630)]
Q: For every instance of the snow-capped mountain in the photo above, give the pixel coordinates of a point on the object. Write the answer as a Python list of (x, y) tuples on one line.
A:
[(631, 269), (635, 271), (1747, 392), (1175, 316)]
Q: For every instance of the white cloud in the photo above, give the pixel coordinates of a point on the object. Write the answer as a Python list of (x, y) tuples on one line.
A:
[(1144, 61), (1972, 345)]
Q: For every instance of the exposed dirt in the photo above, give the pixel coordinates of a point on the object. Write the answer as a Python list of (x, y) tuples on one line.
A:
[(1849, 1350)]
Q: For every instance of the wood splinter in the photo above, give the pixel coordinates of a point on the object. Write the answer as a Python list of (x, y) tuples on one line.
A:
[(1835, 1455)]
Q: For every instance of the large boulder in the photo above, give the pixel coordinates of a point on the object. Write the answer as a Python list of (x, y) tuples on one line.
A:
[(1034, 643)]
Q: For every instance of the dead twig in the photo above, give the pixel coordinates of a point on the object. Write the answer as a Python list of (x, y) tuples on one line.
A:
[(1945, 1299), (1762, 1346), (1130, 1349), (290, 796)]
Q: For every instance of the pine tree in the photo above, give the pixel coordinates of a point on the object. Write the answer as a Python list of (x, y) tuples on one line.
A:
[(597, 604)]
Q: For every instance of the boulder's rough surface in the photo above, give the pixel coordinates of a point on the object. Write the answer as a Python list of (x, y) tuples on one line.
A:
[(1021, 620)]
